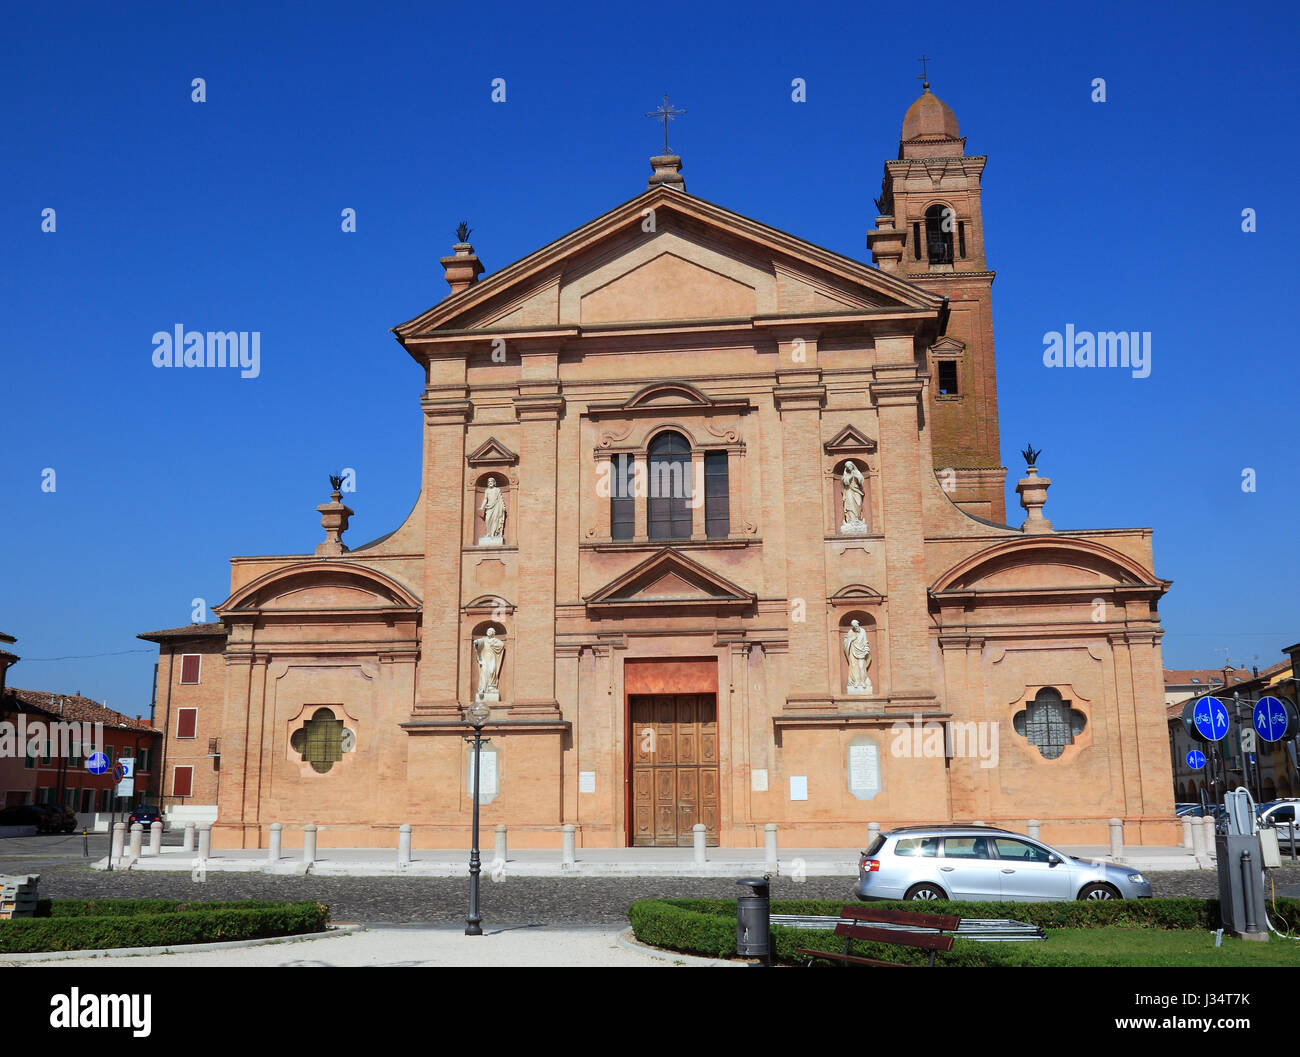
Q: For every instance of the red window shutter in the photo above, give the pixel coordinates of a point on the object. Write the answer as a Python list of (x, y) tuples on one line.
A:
[(187, 721), (183, 781), (190, 668)]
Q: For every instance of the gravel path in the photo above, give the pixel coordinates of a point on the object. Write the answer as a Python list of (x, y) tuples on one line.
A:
[(531, 900)]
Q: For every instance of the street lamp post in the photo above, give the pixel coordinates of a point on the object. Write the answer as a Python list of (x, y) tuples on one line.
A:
[(478, 716)]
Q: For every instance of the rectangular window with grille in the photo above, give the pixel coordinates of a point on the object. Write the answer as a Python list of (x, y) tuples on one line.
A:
[(717, 498), (961, 239), (622, 504), (947, 377), (916, 241)]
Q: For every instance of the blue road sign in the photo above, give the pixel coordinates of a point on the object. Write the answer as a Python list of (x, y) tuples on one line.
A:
[(97, 763), (1271, 719), (1211, 718), (1196, 759)]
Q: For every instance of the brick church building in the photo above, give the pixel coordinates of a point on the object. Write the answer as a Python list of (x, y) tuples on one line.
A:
[(712, 520)]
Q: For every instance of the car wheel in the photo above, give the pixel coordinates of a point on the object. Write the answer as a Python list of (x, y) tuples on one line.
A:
[(1099, 891), (925, 892)]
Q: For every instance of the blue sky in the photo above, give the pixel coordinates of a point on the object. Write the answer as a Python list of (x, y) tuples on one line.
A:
[(225, 215)]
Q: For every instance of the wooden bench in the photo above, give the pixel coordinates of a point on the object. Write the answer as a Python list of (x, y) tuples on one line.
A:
[(933, 941)]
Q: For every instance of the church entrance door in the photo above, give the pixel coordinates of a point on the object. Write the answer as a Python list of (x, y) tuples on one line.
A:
[(673, 747)]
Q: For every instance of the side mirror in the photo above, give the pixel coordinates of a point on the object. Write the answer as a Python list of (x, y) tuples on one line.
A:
[(1053, 860)]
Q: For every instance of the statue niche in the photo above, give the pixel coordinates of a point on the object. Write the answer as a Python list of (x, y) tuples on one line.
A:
[(493, 510)]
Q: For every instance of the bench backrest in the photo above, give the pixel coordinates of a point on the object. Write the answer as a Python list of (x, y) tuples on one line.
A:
[(942, 922)]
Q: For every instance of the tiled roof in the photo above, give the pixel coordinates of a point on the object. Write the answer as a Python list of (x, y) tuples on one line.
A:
[(75, 709), (215, 629), (1186, 676)]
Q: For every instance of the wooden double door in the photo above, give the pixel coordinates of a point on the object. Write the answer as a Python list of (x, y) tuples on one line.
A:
[(673, 751)]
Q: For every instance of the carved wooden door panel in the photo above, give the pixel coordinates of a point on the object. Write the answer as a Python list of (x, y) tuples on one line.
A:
[(674, 764)]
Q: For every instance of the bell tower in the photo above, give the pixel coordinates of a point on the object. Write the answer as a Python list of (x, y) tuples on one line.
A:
[(930, 231)]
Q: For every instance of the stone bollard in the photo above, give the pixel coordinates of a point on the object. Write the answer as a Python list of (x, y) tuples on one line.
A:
[(701, 856), (1116, 838), (273, 842), (1187, 832), (404, 844), (1198, 840), (155, 839), (499, 843), (769, 844), (137, 835), (1207, 827), (309, 842), (1031, 829), (873, 831), (189, 837), (568, 857), (119, 840), (205, 840)]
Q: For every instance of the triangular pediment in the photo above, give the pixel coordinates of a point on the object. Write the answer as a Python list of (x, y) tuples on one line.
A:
[(849, 439), (669, 578), (491, 453), (948, 345), (666, 256)]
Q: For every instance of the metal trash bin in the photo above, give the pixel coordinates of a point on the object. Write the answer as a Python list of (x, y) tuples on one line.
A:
[(754, 920)]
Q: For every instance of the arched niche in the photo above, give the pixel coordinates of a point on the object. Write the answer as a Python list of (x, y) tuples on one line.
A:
[(477, 627), (835, 502), (508, 484), (843, 626)]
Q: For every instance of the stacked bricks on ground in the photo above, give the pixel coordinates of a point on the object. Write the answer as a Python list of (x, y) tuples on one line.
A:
[(783, 361)]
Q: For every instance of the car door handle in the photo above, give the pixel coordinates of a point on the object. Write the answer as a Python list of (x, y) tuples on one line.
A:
[(1008, 870), (947, 869)]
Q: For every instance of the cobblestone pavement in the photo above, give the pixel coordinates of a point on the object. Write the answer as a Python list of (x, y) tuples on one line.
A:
[(532, 900)]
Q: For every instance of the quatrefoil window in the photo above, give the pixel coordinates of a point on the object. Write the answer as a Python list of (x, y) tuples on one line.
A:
[(320, 740), (1049, 723)]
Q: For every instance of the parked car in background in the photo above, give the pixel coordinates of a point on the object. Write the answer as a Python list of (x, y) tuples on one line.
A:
[(985, 864), (1281, 815), (146, 815), (26, 815), (63, 819)]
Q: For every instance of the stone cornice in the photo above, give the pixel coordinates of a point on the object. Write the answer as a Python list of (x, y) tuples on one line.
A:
[(540, 407)]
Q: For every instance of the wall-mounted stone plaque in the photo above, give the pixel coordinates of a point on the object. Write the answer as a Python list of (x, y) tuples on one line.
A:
[(586, 781), (798, 787), (863, 767), (487, 777), (758, 780)]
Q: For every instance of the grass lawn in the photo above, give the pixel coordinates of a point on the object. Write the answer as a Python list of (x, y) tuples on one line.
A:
[(1129, 946)]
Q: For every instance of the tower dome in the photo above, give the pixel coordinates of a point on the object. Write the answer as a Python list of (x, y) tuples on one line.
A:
[(929, 118)]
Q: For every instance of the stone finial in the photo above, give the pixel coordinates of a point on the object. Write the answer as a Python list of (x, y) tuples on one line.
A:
[(1032, 490), (334, 517), (886, 245), (462, 268), (667, 170)]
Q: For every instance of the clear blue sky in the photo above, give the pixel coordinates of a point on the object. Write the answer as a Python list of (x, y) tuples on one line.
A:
[(225, 215)]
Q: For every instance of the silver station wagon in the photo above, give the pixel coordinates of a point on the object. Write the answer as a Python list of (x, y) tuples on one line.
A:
[(986, 864)]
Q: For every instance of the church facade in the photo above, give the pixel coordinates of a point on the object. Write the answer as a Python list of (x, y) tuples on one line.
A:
[(712, 523)]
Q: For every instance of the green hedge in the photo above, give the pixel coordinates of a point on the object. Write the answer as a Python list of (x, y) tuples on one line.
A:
[(99, 908), (708, 926), (98, 924)]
